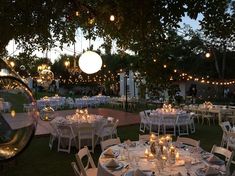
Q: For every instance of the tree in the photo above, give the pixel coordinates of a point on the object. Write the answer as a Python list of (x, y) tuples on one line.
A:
[(218, 27), (144, 27), (36, 24), (138, 23)]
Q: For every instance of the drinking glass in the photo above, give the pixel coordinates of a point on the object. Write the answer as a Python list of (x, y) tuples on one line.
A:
[(188, 164), (131, 159), (137, 159)]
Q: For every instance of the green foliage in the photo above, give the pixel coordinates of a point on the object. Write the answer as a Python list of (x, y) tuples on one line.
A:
[(147, 28)]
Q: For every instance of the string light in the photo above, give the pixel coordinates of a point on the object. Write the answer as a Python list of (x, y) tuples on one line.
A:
[(112, 18), (207, 55)]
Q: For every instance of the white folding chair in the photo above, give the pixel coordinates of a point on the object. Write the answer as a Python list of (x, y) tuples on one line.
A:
[(105, 132), (114, 130), (230, 142), (155, 124), (206, 115), (109, 142), (86, 132), (65, 137), (70, 102), (75, 169), (53, 135), (89, 169), (183, 123), (226, 127), (169, 124), (142, 121), (188, 141), (228, 156), (191, 122)]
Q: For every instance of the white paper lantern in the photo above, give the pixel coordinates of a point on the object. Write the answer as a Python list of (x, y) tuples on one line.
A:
[(90, 62)]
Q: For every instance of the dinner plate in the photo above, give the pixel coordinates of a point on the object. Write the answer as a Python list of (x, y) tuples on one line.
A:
[(114, 155), (118, 167), (131, 173), (202, 172), (219, 162)]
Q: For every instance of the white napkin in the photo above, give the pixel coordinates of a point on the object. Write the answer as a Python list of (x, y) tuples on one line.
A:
[(138, 172), (211, 171), (130, 143), (109, 153), (112, 163)]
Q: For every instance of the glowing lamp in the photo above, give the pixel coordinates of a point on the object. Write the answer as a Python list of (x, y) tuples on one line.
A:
[(112, 18), (90, 62), (207, 55)]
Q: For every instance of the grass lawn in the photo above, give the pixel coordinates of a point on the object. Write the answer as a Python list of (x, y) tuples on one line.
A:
[(38, 160)]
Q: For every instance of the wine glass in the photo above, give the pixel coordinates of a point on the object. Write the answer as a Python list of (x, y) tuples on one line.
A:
[(188, 164), (137, 159)]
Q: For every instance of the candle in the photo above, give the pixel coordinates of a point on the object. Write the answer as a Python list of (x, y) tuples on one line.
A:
[(13, 113), (153, 136), (172, 148), (164, 158), (167, 137), (146, 153), (151, 156), (177, 155)]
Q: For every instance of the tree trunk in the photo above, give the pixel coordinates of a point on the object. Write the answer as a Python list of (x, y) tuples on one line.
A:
[(216, 64), (223, 61)]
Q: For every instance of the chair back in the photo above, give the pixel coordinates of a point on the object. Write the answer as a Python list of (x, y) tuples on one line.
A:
[(188, 141), (84, 153), (226, 153), (75, 169), (116, 124), (170, 120), (142, 116), (109, 142), (86, 130), (183, 118), (65, 130), (147, 112)]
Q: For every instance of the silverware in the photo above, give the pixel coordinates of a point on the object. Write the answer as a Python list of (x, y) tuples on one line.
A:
[(126, 168)]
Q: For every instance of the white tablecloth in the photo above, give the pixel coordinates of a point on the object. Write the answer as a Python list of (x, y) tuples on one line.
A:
[(96, 120), (151, 165)]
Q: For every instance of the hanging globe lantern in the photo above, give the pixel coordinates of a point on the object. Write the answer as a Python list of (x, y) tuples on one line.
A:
[(17, 124), (45, 78), (90, 62)]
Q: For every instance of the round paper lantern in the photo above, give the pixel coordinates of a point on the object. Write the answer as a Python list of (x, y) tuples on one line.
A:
[(18, 113), (90, 62)]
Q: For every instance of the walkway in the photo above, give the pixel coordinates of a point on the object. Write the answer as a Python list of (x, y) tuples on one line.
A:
[(125, 118)]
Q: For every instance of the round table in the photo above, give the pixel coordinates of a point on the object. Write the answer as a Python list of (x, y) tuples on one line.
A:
[(127, 161)]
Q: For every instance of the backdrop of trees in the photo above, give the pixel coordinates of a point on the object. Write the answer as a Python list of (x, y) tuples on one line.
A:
[(148, 28)]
